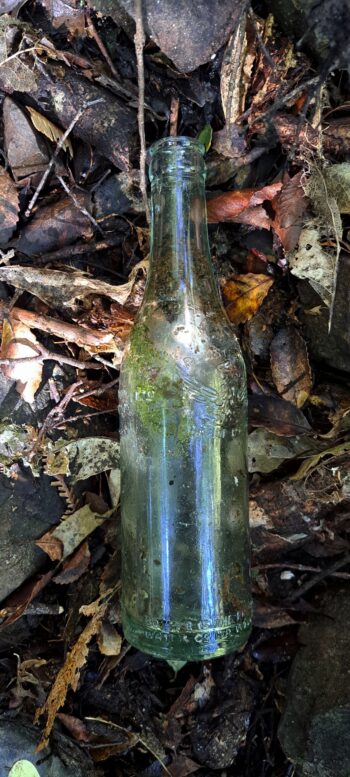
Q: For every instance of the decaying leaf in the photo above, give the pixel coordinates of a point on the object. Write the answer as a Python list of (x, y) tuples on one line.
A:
[(15, 75), (71, 14), (15, 443), (81, 459), (49, 129), (55, 226), (312, 263), (108, 640), (66, 537), (230, 206), (290, 367), (18, 342), (289, 205), (244, 294), (338, 183), (16, 603), (68, 675), (267, 451), (9, 207), (277, 415), (63, 288), (75, 726)]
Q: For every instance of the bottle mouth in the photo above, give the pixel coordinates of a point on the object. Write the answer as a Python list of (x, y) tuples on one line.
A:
[(176, 155)]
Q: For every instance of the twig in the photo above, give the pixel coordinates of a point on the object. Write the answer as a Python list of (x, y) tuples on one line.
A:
[(174, 115), (139, 41), (301, 568), (16, 54), (55, 412), (94, 34), (73, 333), (44, 355), (318, 578), (261, 43), (53, 159), (79, 205), (97, 391)]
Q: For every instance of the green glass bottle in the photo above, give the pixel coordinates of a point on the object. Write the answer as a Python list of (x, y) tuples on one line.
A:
[(183, 430)]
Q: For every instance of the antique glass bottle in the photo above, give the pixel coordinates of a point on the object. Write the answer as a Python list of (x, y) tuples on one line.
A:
[(182, 394)]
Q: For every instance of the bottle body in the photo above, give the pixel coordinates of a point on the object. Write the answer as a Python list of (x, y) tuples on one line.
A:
[(183, 427)]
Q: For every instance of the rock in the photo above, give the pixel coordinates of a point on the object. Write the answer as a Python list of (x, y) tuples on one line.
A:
[(315, 728), (188, 33), (18, 740), (27, 151)]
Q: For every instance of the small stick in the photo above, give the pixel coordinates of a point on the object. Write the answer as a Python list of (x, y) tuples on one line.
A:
[(139, 41), (97, 391), (73, 333), (174, 115), (43, 354), (94, 34), (79, 206), (318, 578), (53, 159)]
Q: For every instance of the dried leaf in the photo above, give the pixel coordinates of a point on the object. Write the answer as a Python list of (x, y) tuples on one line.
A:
[(49, 129), (181, 766), (71, 532), (290, 367), (338, 184), (268, 616), (58, 288), (277, 415), (311, 463), (75, 566), (56, 226), (230, 205), (81, 459), (16, 344), (289, 205), (312, 263), (75, 726), (244, 294), (108, 639), (9, 207), (68, 675), (16, 441), (26, 152), (16, 604), (15, 75)]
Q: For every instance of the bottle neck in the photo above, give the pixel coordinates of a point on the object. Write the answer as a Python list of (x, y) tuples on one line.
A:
[(180, 263)]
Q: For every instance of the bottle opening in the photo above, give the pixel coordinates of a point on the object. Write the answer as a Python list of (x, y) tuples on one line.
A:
[(176, 155)]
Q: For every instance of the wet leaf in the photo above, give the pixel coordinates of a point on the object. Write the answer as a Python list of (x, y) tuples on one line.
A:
[(277, 415), (66, 537), (269, 616), (74, 566), (55, 226), (244, 294), (81, 459), (290, 367), (49, 129), (75, 726), (16, 604), (230, 205), (9, 207), (58, 288), (16, 344), (108, 640), (312, 263), (69, 674), (70, 14), (181, 766), (289, 205)]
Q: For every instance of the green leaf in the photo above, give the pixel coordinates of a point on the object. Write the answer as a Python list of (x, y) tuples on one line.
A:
[(205, 136), (23, 769)]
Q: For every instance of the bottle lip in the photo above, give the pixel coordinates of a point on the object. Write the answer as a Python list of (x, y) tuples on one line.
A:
[(180, 141)]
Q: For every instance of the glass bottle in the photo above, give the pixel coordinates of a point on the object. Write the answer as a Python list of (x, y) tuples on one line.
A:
[(183, 426)]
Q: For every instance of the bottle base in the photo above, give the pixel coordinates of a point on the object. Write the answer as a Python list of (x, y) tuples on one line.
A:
[(186, 645)]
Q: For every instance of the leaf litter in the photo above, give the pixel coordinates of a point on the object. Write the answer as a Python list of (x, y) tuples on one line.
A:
[(74, 260)]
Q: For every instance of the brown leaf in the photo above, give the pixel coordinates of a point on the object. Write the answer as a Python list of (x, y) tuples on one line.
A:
[(8, 207), (15, 604), (27, 153), (229, 206), (75, 726), (50, 130), (244, 294), (68, 675), (268, 616), (277, 415), (291, 372), (75, 566), (51, 545), (70, 14), (55, 226), (16, 344), (289, 205), (72, 530), (181, 766), (108, 639)]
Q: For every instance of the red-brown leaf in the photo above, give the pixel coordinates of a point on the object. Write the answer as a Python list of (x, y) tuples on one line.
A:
[(289, 205), (230, 205)]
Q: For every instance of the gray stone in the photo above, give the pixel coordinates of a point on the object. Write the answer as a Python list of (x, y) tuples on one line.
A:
[(315, 728), (18, 740), (189, 33)]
